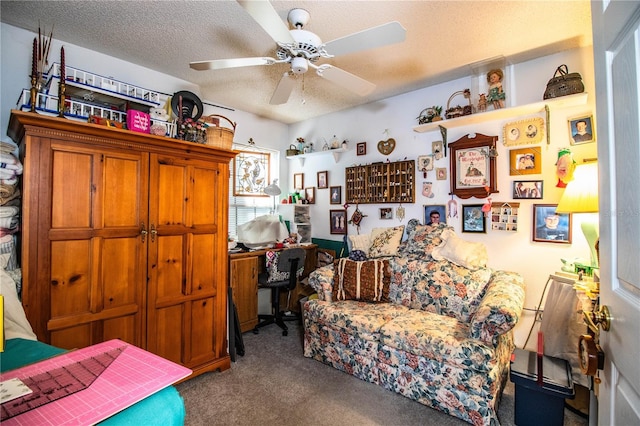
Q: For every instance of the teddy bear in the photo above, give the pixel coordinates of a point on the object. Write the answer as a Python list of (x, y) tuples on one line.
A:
[(159, 117)]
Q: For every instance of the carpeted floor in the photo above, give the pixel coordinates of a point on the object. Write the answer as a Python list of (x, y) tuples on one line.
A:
[(273, 384)]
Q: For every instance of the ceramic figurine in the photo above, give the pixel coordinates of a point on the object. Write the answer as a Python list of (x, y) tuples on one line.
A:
[(496, 93)]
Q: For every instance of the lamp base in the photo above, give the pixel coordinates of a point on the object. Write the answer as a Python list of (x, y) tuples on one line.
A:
[(590, 231)]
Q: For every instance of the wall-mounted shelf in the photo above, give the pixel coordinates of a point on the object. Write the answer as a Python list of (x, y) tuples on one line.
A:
[(301, 157), (380, 183), (499, 114)]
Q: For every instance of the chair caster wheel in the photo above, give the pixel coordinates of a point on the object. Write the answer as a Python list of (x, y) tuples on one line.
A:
[(256, 331), (284, 333)]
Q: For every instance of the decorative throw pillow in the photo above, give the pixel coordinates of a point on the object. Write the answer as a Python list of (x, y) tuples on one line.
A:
[(422, 240), (464, 253), (360, 242), (357, 255), (271, 262), (365, 281), (385, 241)]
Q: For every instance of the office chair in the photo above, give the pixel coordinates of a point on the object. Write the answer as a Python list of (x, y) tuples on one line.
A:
[(289, 261)]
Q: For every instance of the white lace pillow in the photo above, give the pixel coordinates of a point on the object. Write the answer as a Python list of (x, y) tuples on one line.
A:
[(385, 241), (464, 253), (360, 242)]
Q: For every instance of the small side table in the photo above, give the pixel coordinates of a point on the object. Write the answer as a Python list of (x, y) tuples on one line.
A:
[(535, 404)]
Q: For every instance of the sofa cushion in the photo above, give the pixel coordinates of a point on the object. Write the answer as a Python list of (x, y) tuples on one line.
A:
[(439, 338), (422, 240), (464, 253), (363, 319), (440, 287), (360, 242), (367, 281), (385, 241)]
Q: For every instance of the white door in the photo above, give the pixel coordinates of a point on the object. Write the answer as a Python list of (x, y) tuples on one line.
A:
[(616, 34)]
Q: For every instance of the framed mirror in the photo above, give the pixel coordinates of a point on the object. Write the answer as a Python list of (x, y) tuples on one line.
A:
[(473, 166)]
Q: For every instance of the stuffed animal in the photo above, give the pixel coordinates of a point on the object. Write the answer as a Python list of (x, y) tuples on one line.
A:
[(159, 117)]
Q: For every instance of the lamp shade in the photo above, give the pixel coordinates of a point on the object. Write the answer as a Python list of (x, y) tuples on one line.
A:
[(581, 194), (273, 189)]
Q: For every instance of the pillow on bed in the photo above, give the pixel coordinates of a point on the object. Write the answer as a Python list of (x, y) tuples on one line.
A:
[(365, 281), (360, 242), (385, 241), (464, 253)]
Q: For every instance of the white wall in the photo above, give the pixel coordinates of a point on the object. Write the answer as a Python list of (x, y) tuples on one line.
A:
[(393, 117)]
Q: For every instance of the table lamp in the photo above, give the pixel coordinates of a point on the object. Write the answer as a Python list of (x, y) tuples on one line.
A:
[(273, 190), (581, 196)]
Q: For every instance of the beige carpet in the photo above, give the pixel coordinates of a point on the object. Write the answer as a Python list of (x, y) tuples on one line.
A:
[(273, 384)]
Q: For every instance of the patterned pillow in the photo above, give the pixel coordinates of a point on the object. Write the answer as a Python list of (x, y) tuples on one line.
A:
[(358, 255), (385, 241), (360, 242), (271, 262), (423, 240), (464, 253), (365, 281)]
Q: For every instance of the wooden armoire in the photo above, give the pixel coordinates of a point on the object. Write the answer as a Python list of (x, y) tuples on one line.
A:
[(124, 235)]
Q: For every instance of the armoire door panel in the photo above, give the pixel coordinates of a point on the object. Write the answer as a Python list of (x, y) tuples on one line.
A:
[(203, 205), (125, 201), (125, 328), (203, 274), (169, 264), (171, 193), (71, 285), (202, 330), (72, 337), (73, 180), (166, 336), (122, 265)]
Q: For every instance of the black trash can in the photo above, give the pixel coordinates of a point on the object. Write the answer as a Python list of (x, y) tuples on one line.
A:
[(540, 405)]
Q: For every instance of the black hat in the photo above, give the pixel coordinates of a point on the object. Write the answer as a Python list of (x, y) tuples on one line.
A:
[(191, 105)]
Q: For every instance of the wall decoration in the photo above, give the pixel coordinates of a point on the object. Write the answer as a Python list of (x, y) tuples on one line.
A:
[(437, 149), (361, 148), (504, 216), (338, 221), (473, 218), (439, 212), (525, 161), (298, 181), (527, 189), (301, 213), (310, 195), (251, 174), (549, 226), (386, 213), (582, 130), (523, 132), (323, 180), (426, 189), (473, 170), (304, 232), (387, 147), (336, 195), (441, 173), (425, 163)]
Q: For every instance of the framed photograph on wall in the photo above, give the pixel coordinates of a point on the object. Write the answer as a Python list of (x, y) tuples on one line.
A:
[(435, 213), (335, 196), (525, 161), (298, 181), (310, 195), (473, 218), (581, 130), (338, 221), (323, 179), (527, 189), (473, 170), (441, 173), (549, 226), (523, 132), (251, 174), (386, 213), (361, 148)]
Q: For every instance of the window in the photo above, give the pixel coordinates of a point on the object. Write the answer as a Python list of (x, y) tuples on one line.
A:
[(243, 209)]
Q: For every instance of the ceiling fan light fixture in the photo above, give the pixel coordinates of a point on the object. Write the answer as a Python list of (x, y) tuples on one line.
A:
[(299, 65)]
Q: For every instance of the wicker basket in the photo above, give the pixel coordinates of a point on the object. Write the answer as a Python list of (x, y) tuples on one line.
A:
[(217, 136), (563, 83), (459, 111)]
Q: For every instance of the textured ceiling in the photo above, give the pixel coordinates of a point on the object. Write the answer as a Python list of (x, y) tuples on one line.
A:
[(443, 38)]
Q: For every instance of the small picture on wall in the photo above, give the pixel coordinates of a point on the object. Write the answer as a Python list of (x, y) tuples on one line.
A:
[(323, 180), (525, 161), (434, 214), (549, 226), (338, 221), (581, 130), (473, 218), (336, 195), (441, 173), (527, 189), (310, 195), (361, 148), (386, 213), (298, 181), (437, 149)]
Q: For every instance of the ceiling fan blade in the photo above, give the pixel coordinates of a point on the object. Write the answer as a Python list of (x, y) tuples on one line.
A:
[(345, 79), (283, 90), (266, 16), (218, 64), (382, 35)]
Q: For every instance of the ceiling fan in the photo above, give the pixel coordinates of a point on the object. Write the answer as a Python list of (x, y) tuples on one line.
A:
[(302, 49)]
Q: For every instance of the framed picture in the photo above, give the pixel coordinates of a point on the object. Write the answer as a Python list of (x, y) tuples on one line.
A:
[(323, 180), (523, 132), (527, 189), (386, 213), (251, 174), (441, 173), (435, 213), (437, 149), (525, 161), (310, 195), (298, 181), (473, 218), (361, 148), (473, 170), (336, 195), (425, 163), (338, 221), (549, 226), (581, 130)]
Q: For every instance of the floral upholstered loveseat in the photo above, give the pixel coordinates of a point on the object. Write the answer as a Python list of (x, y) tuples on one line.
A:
[(419, 324)]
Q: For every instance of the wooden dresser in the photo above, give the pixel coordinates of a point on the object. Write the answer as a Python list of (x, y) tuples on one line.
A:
[(124, 235)]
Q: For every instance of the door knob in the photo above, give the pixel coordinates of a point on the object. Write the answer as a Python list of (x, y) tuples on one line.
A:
[(143, 231), (600, 317)]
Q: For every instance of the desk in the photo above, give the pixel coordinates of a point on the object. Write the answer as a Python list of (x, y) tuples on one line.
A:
[(243, 278)]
